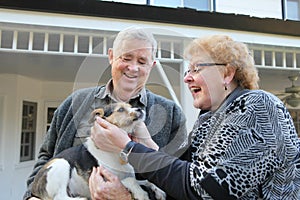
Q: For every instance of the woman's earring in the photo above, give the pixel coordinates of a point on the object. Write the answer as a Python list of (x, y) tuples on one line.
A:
[(225, 85)]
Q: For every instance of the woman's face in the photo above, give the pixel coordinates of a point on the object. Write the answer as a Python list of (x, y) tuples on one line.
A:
[(206, 83)]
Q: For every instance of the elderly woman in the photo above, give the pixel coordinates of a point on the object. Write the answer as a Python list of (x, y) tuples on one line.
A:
[(243, 144)]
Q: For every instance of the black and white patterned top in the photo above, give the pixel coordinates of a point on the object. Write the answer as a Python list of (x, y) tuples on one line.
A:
[(248, 149)]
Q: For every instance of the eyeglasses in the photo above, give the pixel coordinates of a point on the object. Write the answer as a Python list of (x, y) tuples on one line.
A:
[(198, 67)]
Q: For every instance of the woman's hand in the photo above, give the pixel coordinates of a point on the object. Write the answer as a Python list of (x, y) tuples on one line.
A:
[(142, 135), (107, 136), (105, 185)]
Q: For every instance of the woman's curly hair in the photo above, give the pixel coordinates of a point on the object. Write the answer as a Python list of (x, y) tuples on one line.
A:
[(223, 49)]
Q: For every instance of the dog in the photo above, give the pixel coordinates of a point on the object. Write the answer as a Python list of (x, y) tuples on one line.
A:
[(66, 176)]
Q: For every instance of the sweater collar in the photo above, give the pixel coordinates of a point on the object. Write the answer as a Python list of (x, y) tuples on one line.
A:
[(105, 92)]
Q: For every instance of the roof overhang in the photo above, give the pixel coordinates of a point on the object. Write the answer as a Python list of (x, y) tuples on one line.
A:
[(183, 16)]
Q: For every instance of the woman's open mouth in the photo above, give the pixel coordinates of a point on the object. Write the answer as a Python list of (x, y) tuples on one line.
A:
[(195, 90)]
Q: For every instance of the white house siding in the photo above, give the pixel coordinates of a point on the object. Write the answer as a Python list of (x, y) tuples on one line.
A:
[(13, 90)]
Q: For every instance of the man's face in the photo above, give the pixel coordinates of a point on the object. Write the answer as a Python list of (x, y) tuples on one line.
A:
[(131, 66)]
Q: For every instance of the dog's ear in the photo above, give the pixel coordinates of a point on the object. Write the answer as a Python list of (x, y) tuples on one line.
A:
[(97, 112)]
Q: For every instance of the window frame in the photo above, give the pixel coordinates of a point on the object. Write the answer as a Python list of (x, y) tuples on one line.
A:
[(49, 105), (28, 131), (211, 5), (285, 10)]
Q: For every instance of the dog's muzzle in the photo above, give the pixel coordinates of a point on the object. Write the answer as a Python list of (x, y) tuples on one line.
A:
[(139, 114)]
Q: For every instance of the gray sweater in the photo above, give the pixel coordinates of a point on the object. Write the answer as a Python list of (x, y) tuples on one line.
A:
[(164, 119)]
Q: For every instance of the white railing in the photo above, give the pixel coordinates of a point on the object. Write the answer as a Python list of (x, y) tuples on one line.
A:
[(85, 42), (70, 42), (276, 56), (49, 42), (65, 41)]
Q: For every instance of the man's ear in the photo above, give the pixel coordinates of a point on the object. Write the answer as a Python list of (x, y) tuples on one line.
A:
[(153, 64), (110, 55), (97, 112)]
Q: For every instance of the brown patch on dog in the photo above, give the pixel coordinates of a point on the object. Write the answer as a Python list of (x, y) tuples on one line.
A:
[(39, 186), (119, 114), (96, 112)]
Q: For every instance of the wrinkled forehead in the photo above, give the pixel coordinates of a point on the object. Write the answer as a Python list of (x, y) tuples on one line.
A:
[(134, 46)]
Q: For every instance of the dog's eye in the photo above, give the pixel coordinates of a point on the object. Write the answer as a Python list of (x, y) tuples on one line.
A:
[(121, 109)]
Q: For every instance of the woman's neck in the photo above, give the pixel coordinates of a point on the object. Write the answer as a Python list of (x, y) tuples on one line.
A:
[(227, 93)]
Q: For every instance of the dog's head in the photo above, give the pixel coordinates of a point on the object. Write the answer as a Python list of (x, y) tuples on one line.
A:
[(120, 114)]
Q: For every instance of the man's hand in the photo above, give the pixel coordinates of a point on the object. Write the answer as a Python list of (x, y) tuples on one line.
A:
[(105, 185)]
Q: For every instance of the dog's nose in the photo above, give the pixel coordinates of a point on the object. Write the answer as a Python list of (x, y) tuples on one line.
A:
[(139, 113)]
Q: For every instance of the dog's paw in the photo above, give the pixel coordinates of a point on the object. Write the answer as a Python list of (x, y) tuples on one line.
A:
[(133, 186), (159, 193), (140, 195)]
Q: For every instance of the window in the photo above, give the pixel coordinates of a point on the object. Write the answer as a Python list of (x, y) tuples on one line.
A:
[(166, 3), (257, 57), (268, 58), (199, 5), (68, 43), (97, 45), (289, 59), (196, 4), (165, 49), (38, 41), (278, 59), (83, 44), (298, 60), (23, 40), (7, 39), (53, 42), (29, 116), (169, 49), (50, 108), (129, 1), (292, 10), (50, 114)]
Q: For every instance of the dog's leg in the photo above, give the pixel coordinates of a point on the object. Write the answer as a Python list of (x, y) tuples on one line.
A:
[(58, 180), (132, 185), (159, 194)]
